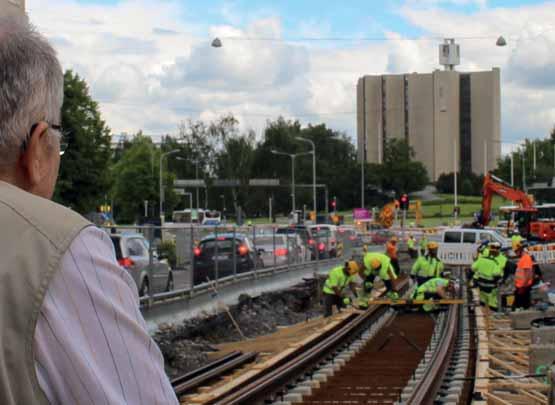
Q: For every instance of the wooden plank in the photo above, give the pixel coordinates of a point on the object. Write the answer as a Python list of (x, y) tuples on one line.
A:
[(494, 399), (506, 365)]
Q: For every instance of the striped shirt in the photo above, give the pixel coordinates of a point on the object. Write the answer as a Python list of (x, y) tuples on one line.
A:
[(91, 343)]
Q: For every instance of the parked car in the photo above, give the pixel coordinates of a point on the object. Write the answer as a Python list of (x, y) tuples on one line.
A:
[(327, 235), (274, 250), (225, 250), (132, 253)]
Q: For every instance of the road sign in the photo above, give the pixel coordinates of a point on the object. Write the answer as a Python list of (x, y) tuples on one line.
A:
[(189, 183), (179, 191), (227, 183), (264, 182)]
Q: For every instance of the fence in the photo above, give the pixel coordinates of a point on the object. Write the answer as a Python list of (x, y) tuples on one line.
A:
[(185, 259)]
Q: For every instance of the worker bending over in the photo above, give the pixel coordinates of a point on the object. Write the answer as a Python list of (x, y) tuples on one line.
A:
[(339, 278), (434, 289), (378, 264), (391, 252), (488, 274), (428, 266)]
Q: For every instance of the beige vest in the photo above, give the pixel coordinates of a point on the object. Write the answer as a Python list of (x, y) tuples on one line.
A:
[(34, 234)]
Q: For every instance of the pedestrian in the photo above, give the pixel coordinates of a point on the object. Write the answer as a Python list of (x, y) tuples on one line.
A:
[(488, 274), (524, 277), (428, 266), (378, 264), (434, 289), (339, 278), (411, 245), (70, 324), (391, 252)]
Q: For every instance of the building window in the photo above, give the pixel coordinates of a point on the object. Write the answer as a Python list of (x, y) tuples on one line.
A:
[(465, 125), (406, 103)]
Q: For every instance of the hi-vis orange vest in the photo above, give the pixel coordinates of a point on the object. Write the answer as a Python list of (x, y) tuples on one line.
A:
[(524, 276)]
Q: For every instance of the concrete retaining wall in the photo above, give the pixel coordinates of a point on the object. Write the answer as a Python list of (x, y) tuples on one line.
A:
[(522, 319)]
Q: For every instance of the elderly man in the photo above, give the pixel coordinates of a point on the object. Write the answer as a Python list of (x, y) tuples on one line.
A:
[(70, 325)]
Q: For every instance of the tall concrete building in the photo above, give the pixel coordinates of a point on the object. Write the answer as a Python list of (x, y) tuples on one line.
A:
[(12, 8), (440, 114)]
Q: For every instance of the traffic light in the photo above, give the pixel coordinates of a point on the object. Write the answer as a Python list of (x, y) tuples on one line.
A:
[(334, 203), (404, 202)]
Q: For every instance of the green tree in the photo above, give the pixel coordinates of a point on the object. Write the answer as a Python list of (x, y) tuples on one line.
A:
[(398, 172), (467, 183), (84, 178), (136, 180)]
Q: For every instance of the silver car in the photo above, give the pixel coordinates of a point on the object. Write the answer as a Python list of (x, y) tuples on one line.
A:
[(132, 253), (274, 250)]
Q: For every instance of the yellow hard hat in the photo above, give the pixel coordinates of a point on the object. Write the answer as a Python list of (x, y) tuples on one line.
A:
[(375, 264), (432, 245), (353, 267)]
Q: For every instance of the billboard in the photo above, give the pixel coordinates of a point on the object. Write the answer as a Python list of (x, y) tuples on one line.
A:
[(360, 214)]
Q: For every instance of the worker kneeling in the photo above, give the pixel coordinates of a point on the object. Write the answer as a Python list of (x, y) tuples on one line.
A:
[(339, 278), (427, 267), (488, 273), (434, 289), (378, 264)]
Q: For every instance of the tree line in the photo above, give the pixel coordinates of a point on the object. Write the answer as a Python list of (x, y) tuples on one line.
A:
[(95, 172)]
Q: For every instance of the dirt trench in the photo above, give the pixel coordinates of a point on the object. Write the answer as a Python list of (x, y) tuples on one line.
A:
[(188, 345)]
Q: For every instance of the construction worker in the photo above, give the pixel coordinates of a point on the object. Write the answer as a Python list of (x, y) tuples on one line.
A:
[(339, 278), (411, 244), (378, 264), (391, 252), (483, 250), (524, 277), (487, 275), (428, 266), (433, 289), (515, 240), (423, 244)]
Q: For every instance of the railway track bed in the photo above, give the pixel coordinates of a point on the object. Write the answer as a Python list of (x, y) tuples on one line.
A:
[(379, 356)]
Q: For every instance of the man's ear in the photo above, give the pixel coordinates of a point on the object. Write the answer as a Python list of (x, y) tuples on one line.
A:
[(35, 154)]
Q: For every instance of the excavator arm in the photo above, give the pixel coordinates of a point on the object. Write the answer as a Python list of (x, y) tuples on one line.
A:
[(494, 185)]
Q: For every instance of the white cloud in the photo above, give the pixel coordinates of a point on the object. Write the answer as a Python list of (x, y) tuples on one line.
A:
[(150, 68)]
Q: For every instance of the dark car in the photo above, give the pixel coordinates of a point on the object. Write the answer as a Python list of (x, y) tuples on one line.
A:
[(224, 250), (132, 253)]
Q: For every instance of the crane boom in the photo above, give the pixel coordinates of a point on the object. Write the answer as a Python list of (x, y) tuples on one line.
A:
[(494, 185)]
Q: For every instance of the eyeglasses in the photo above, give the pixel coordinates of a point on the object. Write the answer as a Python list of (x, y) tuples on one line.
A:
[(58, 128)]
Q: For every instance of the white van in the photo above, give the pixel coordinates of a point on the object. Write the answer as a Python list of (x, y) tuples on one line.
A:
[(457, 246)]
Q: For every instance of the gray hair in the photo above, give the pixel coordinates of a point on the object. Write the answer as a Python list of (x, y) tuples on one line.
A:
[(31, 85)]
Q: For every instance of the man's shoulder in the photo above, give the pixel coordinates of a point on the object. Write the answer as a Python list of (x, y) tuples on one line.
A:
[(46, 216)]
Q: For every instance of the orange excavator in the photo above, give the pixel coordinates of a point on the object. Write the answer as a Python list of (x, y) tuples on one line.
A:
[(527, 214)]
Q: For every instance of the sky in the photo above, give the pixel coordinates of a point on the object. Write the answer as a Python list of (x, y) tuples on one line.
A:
[(150, 66)]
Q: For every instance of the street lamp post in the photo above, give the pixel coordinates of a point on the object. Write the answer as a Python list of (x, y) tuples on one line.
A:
[(196, 163), (293, 156), (162, 156), (313, 152)]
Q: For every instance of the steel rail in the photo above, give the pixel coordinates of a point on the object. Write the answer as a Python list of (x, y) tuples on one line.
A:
[(214, 370), (301, 361), (426, 389)]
